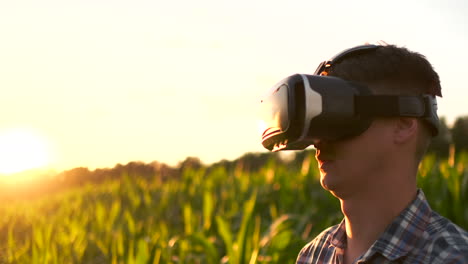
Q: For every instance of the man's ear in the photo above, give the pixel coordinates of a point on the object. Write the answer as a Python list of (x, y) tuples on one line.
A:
[(406, 128)]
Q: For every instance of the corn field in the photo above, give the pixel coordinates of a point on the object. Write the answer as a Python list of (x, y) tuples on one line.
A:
[(208, 215)]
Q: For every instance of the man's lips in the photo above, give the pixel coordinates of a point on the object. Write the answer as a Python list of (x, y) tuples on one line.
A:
[(322, 161), (323, 158), (325, 166)]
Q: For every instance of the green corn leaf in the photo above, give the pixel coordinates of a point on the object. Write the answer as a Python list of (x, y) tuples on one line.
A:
[(130, 223), (130, 252), (208, 207), (142, 256), (247, 220), (209, 249), (157, 256), (226, 235), (188, 219)]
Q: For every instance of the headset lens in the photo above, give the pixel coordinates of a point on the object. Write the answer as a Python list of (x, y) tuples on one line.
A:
[(275, 110)]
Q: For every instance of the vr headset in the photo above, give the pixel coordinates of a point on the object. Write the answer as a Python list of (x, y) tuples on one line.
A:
[(302, 109)]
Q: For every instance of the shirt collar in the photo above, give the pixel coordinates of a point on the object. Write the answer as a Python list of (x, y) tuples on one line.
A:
[(338, 237), (405, 231)]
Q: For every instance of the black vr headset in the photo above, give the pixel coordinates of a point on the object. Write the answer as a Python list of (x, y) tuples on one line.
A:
[(302, 109)]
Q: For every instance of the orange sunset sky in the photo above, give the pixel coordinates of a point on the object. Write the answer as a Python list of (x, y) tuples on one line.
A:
[(95, 83)]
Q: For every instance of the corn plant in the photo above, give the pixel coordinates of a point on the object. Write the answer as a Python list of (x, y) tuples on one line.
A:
[(208, 215)]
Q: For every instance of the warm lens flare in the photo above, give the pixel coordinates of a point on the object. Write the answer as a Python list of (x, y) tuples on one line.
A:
[(22, 149)]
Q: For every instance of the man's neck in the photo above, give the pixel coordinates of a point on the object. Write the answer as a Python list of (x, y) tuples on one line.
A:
[(368, 213)]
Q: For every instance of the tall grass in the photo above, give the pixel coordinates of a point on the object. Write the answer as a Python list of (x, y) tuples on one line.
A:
[(209, 215)]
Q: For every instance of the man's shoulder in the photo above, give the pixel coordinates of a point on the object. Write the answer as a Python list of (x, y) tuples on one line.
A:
[(442, 229), (321, 240), (446, 240)]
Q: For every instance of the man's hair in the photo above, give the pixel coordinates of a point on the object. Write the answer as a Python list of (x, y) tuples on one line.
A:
[(395, 71)]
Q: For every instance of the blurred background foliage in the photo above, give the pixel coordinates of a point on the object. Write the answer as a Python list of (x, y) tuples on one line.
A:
[(260, 208)]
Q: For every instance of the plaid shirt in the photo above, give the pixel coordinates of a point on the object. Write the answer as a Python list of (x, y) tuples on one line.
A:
[(417, 235)]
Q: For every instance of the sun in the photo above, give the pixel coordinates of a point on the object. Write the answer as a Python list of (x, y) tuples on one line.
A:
[(22, 149)]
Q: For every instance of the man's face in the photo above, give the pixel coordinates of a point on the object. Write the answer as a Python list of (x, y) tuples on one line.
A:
[(355, 164)]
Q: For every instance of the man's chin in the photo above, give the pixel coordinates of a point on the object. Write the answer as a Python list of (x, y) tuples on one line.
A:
[(327, 182), (332, 185)]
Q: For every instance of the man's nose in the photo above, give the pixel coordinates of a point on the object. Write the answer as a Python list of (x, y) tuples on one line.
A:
[(321, 143), (318, 143)]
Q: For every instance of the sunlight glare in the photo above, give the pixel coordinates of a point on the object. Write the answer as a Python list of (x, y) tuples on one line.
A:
[(262, 126), (22, 149)]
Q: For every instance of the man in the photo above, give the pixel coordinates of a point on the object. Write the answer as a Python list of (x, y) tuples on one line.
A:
[(386, 217)]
